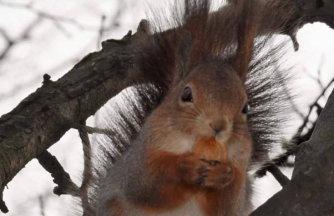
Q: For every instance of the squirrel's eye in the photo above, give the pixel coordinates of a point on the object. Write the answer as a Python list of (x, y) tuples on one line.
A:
[(186, 95), (245, 109)]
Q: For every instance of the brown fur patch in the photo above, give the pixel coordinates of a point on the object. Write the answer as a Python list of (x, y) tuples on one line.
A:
[(215, 201), (115, 207)]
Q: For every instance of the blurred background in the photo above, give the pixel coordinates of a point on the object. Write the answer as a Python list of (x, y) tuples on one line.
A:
[(50, 36)]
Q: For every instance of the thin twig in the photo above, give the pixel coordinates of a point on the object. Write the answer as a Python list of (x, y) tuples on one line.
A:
[(60, 177), (55, 18), (297, 139), (88, 129), (101, 31), (3, 206), (313, 105), (279, 176), (87, 173), (41, 204), (24, 36)]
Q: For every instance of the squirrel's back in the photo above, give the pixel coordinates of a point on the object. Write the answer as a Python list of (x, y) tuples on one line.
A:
[(209, 76)]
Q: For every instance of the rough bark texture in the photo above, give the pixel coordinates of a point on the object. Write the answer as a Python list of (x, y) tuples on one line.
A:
[(42, 118)]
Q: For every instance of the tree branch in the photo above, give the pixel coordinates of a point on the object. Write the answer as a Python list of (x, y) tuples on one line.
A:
[(87, 173), (61, 178), (41, 119)]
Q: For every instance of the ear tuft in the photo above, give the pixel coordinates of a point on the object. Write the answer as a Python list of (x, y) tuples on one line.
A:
[(246, 33), (182, 57)]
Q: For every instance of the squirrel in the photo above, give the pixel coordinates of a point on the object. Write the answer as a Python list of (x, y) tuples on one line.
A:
[(209, 111)]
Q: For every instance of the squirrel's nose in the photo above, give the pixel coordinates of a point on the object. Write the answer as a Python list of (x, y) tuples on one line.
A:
[(221, 128), (219, 125)]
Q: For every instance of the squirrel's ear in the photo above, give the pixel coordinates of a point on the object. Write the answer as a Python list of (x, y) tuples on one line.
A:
[(246, 33), (182, 57)]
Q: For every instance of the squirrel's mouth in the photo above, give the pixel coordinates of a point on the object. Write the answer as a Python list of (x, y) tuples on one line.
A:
[(222, 136)]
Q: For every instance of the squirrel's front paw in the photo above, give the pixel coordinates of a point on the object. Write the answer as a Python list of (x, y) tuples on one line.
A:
[(218, 174), (205, 173)]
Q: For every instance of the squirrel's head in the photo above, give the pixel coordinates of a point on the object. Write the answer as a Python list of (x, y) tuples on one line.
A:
[(214, 98), (210, 101), (206, 95)]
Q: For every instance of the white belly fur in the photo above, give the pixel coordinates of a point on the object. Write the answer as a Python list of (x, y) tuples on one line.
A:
[(190, 208)]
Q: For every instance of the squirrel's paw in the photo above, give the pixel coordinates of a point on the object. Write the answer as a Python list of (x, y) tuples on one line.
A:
[(217, 174), (205, 173)]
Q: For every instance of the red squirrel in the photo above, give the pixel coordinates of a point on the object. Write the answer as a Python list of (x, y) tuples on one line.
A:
[(194, 147)]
